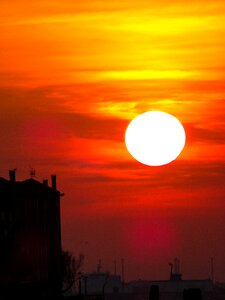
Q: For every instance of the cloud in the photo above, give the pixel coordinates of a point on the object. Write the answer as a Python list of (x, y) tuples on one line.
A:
[(196, 133)]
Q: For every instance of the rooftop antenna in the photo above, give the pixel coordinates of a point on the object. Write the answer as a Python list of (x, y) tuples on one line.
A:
[(175, 274), (99, 266), (122, 266), (32, 172), (176, 265), (171, 270), (212, 269), (114, 267)]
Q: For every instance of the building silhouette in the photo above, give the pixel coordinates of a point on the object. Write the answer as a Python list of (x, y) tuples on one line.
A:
[(30, 238), (105, 286)]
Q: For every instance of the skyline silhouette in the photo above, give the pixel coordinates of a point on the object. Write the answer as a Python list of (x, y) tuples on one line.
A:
[(34, 264)]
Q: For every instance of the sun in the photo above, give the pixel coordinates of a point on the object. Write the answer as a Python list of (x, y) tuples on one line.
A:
[(155, 138)]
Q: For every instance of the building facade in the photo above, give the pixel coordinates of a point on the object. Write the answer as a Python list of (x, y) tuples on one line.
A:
[(30, 238)]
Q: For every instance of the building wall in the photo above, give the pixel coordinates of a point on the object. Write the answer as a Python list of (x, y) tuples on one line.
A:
[(30, 235)]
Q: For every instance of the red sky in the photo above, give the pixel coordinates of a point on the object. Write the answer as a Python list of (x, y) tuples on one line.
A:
[(72, 76)]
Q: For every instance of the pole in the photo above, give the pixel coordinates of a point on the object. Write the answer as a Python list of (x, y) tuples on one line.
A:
[(122, 265), (212, 270), (114, 267)]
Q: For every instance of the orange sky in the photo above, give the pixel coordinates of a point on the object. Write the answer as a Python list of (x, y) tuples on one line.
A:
[(72, 76)]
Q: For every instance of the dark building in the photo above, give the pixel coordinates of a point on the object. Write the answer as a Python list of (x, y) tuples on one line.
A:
[(30, 239)]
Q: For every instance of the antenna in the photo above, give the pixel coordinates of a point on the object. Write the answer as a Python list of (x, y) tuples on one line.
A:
[(171, 270), (177, 265), (114, 267), (122, 265), (212, 269), (32, 172), (175, 274), (99, 266)]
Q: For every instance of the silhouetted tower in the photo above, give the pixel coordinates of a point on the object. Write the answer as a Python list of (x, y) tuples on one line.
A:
[(53, 178)]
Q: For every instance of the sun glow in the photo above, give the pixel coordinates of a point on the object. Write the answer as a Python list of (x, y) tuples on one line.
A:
[(155, 138)]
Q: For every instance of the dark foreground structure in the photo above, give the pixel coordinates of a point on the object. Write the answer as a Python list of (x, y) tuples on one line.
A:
[(105, 286), (30, 239)]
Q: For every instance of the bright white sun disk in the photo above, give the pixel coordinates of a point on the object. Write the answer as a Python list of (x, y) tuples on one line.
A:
[(155, 138)]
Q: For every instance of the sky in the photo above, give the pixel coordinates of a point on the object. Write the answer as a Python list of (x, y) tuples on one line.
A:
[(73, 74)]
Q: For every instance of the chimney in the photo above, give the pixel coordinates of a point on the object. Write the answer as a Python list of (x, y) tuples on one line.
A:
[(12, 176), (45, 182), (53, 181)]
